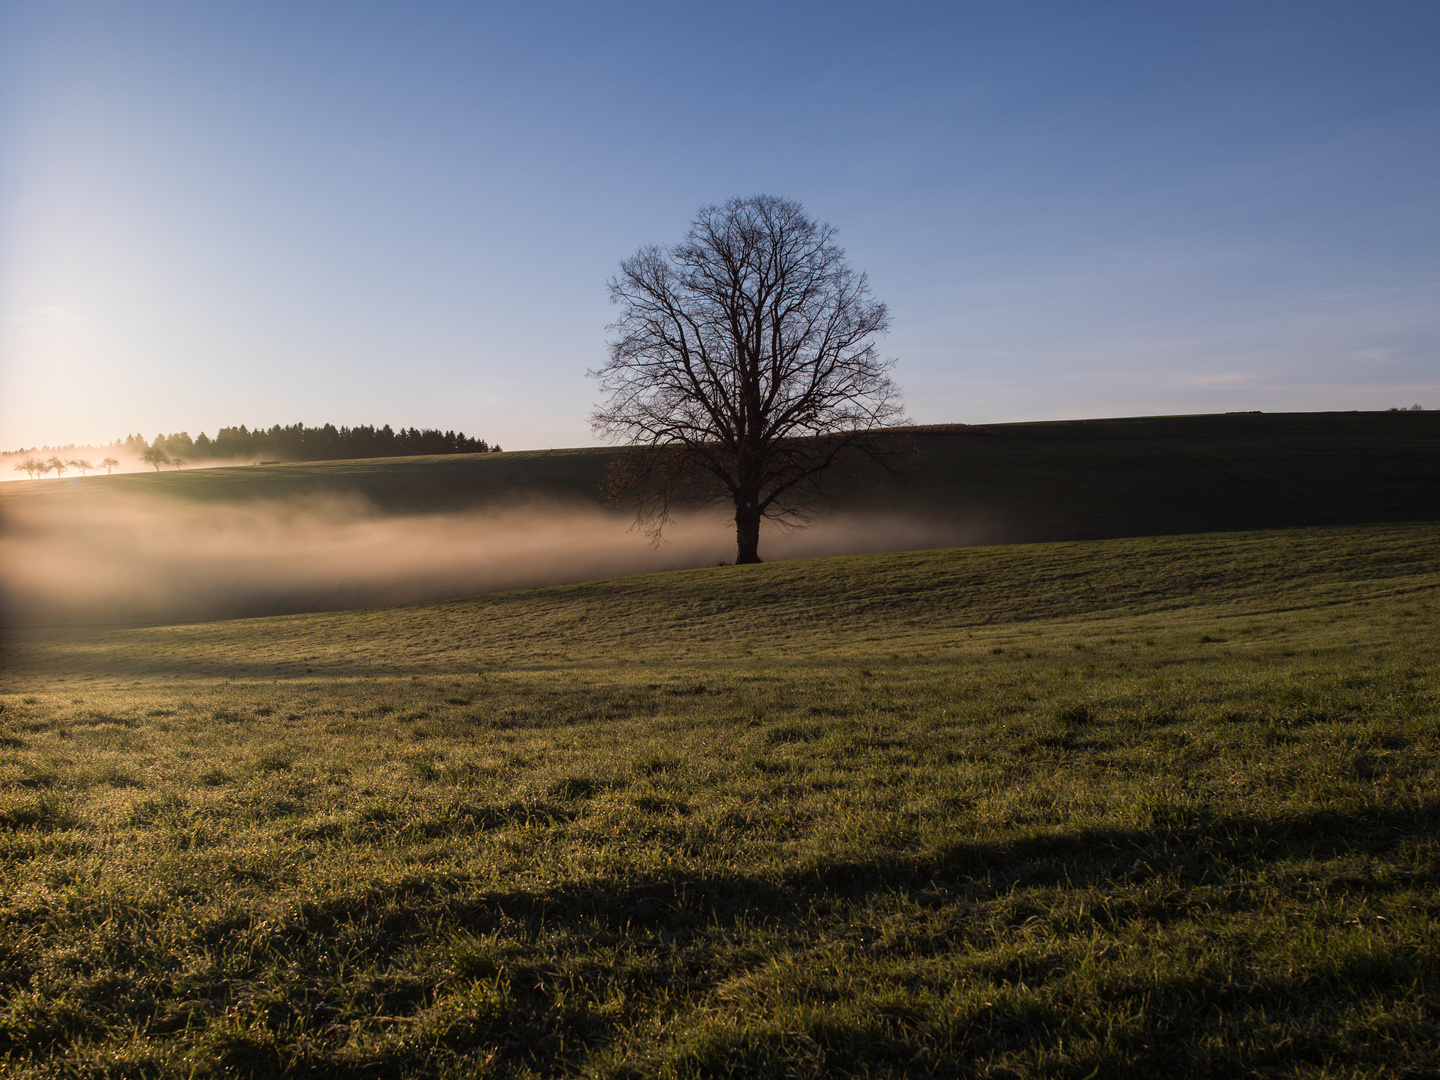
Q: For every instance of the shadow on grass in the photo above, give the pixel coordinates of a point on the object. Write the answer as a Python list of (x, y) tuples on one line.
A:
[(528, 979), (665, 942), (1187, 846)]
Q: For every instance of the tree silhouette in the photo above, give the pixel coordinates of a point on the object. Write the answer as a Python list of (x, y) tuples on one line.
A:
[(84, 465), (109, 465), (744, 366), (56, 464), (156, 456), (31, 466)]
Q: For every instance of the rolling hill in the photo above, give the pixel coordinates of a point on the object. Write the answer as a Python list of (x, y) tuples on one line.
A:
[(1082, 479)]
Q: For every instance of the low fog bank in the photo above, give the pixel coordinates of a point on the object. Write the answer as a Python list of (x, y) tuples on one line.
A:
[(10, 462), (133, 559)]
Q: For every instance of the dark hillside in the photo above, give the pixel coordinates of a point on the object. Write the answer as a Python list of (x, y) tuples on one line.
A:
[(1082, 479), (1090, 479), (420, 484)]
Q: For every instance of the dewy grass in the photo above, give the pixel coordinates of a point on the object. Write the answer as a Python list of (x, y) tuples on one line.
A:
[(1138, 808)]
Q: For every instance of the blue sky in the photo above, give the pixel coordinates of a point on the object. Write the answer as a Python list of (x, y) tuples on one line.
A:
[(255, 212)]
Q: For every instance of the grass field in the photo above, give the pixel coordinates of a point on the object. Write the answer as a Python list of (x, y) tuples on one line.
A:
[(1140, 807)]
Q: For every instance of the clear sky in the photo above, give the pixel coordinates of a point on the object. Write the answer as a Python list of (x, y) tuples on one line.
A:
[(251, 212)]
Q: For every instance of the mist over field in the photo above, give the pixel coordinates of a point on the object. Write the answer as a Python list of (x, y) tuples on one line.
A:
[(10, 461), (214, 543), (142, 558)]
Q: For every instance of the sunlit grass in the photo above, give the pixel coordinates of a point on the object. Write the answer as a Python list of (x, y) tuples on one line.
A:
[(1149, 807)]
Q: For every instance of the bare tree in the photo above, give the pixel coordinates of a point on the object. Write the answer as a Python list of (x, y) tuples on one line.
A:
[(31, 466), (109, 465), (744, 366), (83, 464), (56, 464)]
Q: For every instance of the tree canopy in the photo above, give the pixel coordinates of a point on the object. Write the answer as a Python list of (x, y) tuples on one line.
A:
[(743, 366)]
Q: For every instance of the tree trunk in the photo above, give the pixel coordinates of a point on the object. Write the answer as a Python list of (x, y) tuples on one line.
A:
[(747, 533)]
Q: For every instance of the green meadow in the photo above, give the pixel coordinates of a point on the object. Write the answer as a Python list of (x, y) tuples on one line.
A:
[(1156, 806)]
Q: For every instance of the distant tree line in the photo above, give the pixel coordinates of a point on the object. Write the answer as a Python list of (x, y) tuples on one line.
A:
[(296, 442)]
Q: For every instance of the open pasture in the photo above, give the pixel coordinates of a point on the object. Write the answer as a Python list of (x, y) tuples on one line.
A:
[(1148, 807)]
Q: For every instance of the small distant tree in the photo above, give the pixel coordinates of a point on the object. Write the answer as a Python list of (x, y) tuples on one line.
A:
[(155, 456), (109, 465), (56, 464), (85, 466), (31, 466), (178, 462)]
